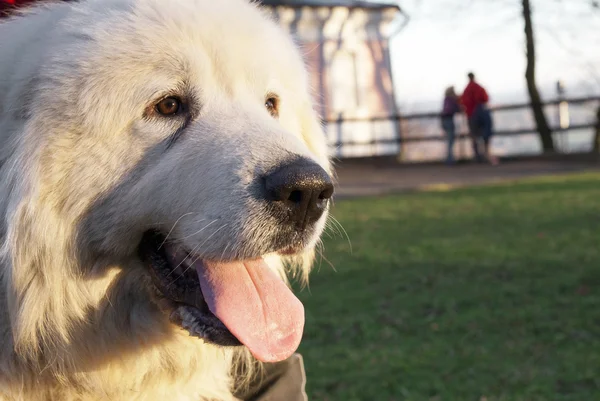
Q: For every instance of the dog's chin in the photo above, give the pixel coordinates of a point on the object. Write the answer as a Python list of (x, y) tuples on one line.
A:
[(178, 289)]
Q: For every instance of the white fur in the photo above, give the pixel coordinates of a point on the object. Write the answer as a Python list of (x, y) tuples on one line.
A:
[(84, 173)]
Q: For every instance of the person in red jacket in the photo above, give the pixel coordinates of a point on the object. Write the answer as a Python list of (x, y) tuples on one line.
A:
[(474, 100)]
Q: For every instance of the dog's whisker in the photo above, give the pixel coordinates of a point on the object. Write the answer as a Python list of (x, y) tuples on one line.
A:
[(183, 260), (320, 250), (224, 251), (173, 227), (331, 226), (191, 252), (208, 238), (331, 230), (194, 250), (200, 230), (334, 227), (336, 221)]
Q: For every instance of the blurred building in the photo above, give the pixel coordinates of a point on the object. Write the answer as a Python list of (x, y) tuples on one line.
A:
[(346, 46)]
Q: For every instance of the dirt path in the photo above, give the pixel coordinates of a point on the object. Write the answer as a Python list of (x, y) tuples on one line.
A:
[(371, 178)]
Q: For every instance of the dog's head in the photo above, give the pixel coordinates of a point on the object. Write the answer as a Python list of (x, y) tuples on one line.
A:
[(175, 143)]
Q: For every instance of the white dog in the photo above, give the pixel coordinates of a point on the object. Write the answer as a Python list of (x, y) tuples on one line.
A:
[(160, 163)]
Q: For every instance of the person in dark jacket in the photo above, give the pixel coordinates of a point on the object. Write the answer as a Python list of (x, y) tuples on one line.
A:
[(475, 99), (450, 108)]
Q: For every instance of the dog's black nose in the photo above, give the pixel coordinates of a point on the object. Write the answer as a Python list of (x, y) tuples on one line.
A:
[(299, 192)]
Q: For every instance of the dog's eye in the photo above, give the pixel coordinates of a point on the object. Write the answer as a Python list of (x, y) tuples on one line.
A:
[(272, 105), (169, 106)]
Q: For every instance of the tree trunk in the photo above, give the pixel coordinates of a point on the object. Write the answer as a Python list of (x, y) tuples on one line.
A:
[(536, 102), (596, 145)]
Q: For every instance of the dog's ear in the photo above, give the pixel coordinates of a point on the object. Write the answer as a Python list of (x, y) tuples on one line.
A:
[(35, 277), (20, 277), (23, 282)]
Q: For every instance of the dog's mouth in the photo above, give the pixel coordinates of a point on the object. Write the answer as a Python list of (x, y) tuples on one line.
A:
[(225, 303)]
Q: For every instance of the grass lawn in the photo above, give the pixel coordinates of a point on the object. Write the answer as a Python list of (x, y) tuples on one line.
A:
[(489, 293)]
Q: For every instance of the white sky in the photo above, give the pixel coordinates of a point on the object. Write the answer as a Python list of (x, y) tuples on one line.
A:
[(446, 38)]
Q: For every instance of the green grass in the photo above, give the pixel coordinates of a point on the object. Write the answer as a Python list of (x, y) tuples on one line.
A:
[(488, 293)]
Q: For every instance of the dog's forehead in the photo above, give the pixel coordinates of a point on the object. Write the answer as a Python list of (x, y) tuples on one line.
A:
[(196, 40)]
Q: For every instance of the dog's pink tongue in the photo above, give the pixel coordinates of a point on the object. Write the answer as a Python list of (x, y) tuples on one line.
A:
[(255, 305)]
